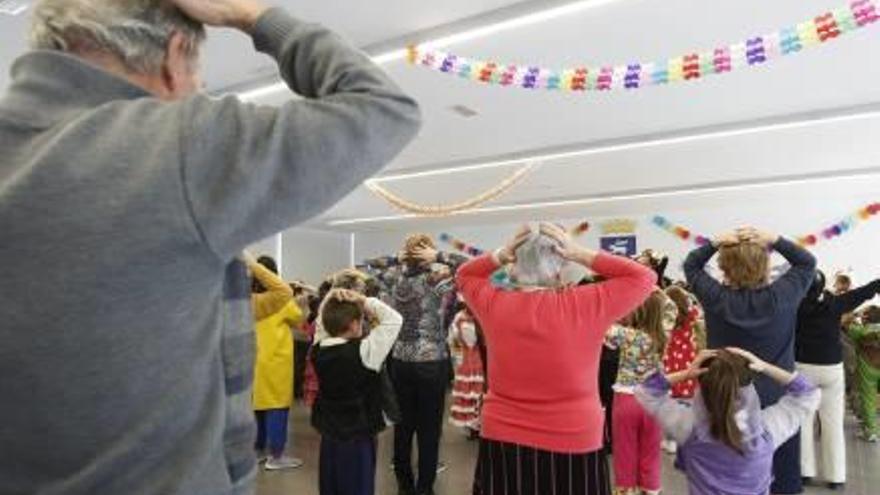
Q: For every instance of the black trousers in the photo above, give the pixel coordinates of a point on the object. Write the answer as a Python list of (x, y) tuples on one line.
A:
[(421, 392), (787, 468), (300, 356), (608, 366), (348, 467), (510, 469)]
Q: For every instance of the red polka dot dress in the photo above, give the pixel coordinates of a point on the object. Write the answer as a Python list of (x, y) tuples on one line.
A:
[(469, 386), (681, 351)]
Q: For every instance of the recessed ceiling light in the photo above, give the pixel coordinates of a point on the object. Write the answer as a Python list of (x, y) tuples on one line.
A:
[(13, 7)]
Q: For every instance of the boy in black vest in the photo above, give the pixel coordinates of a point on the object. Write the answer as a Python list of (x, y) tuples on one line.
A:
[(348, 409)]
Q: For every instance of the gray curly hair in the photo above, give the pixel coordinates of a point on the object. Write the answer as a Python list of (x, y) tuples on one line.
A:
[(137, 32), (537, 263)]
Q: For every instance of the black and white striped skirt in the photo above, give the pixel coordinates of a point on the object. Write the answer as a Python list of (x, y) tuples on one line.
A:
[(510, 469)]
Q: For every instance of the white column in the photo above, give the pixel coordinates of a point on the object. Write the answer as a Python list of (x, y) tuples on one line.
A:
[(279, 252)]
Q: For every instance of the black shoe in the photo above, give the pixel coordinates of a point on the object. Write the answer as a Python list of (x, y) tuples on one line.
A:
[(835, 486), (807, 481), (404, 488)]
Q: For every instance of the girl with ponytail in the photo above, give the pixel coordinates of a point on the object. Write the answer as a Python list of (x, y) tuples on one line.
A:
[(727, 441), (635, 436)]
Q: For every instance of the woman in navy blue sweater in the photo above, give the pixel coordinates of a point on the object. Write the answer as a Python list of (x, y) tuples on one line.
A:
[(748, 312)]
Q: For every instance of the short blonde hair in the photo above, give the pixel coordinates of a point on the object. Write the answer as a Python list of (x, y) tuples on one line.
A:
[(414, 241), (351, 279), (745, 265)]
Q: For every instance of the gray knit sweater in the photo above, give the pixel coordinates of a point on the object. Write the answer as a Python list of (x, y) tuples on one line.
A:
[(126, 343)]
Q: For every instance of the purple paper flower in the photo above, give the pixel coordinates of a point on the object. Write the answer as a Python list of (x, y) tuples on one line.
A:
[(755, 52), (632, 80), (530, 80), (448, 63)]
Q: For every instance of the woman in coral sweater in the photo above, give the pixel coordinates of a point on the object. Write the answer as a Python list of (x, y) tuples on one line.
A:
[(542, 420)]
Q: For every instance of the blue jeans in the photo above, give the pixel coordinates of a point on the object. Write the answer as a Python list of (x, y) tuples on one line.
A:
[(272, 429)]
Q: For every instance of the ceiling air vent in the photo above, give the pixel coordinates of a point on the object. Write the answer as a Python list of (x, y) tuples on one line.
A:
[(12, 7), (464, 111)]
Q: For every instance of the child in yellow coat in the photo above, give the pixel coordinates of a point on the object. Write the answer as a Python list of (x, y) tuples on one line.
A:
[(275, 312)]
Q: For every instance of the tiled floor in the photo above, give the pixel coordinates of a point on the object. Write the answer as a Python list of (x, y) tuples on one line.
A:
[(459, 453)]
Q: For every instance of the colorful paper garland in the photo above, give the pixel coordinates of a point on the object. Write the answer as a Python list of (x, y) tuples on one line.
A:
[(580, 229), (679, 231), (751, 52), (826, 234), (461, 245), (839, 228)]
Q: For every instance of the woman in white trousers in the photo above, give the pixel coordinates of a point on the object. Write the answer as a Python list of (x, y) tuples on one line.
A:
[(832, 441), (819, 355)]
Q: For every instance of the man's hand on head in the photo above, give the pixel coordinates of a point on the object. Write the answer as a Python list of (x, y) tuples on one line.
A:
[(239, 14)]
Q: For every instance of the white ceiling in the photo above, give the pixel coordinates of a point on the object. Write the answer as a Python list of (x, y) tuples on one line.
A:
[(836, 79), (840, 78), (364, 23), (841, 74)]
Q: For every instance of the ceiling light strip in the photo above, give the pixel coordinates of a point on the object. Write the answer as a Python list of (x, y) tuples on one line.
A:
[(12, 7), (623, 197), (549, 158), (516, 23)]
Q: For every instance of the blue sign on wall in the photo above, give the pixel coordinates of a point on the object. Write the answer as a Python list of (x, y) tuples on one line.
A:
[(622, 245)]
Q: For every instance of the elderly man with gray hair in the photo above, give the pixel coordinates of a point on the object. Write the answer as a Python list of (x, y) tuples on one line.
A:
[(125, 198)]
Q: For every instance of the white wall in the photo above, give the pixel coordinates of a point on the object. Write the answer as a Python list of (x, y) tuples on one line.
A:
[(311, 255), (267, 247), (856, 250), (307, 255)]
